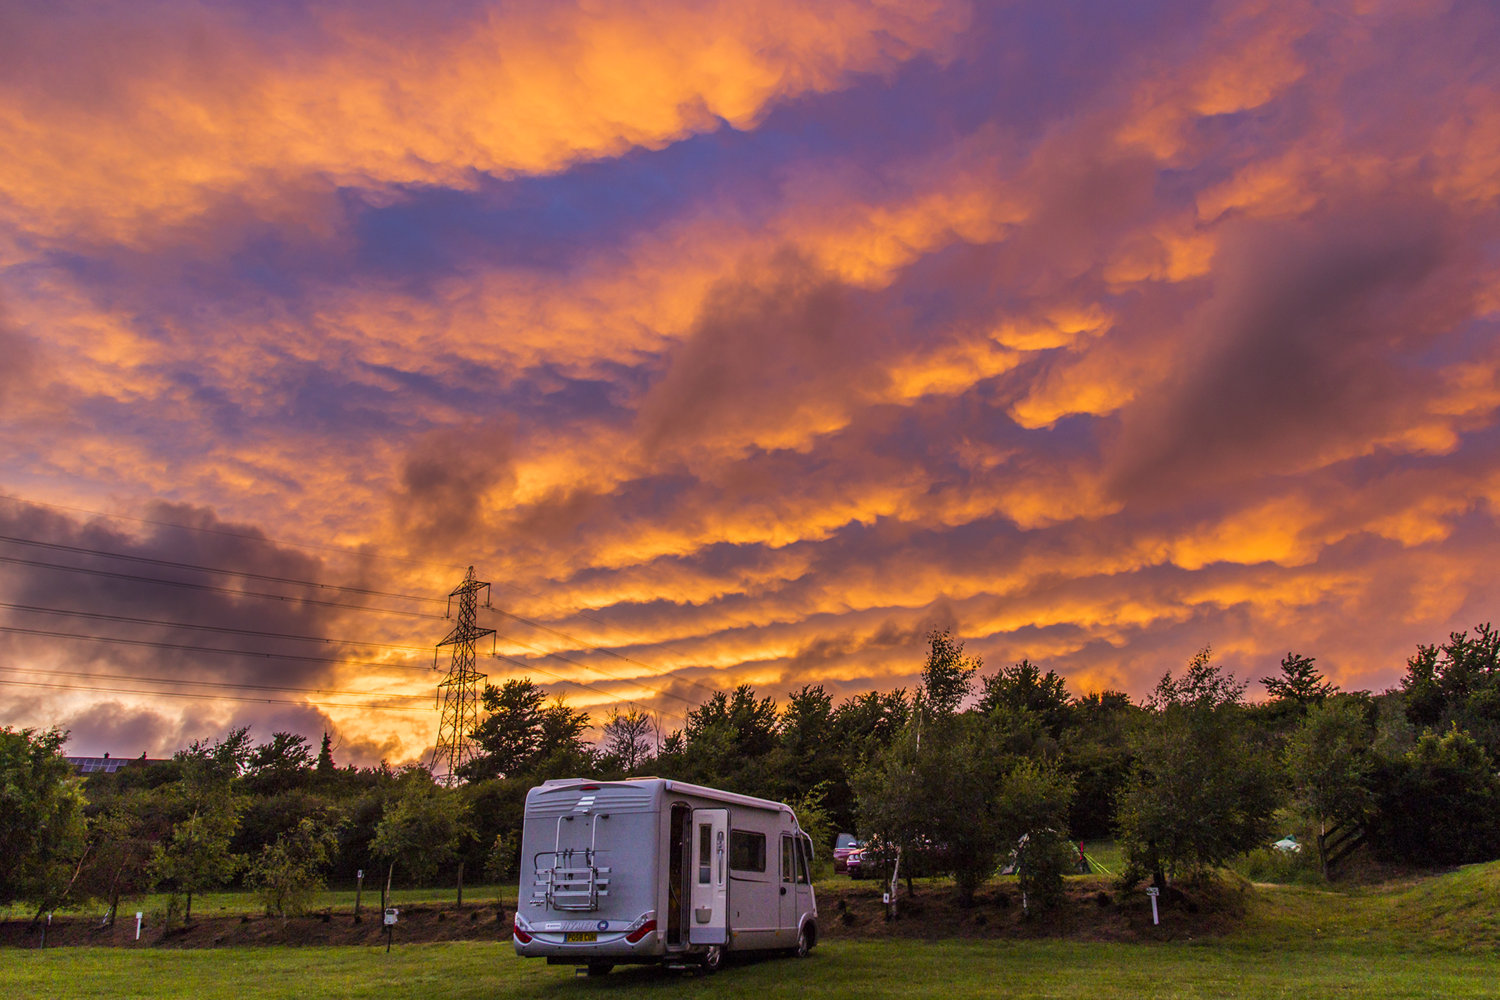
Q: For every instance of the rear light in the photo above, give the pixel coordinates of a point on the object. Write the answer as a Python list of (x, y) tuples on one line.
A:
[(640, 932), (521, 935)]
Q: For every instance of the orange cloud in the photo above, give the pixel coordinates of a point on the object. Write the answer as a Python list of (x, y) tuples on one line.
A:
[(196, 109)]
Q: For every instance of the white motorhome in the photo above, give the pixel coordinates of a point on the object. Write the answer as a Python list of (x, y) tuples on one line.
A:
[(652, 870)]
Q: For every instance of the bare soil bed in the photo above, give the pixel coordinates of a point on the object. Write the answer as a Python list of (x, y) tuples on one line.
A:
[(1092, 910)]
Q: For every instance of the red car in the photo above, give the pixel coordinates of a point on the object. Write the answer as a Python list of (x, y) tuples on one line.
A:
[(844, 845)]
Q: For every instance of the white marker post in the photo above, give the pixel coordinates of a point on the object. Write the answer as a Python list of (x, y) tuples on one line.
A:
[(391, 915), (137, 925), (1153, 892)]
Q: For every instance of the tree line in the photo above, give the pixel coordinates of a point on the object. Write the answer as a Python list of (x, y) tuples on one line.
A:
[(966, 771)]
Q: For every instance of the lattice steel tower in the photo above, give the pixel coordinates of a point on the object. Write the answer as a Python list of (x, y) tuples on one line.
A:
[(460, 689)]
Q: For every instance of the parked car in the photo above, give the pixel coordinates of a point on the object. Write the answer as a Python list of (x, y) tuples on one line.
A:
[(843, 845), (875, 859)]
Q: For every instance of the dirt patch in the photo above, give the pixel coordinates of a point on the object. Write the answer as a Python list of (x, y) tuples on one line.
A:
[(1092, 910)]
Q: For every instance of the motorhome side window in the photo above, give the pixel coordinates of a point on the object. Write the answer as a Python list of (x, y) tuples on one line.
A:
[(787, 864), (705, 854), (747, 851)]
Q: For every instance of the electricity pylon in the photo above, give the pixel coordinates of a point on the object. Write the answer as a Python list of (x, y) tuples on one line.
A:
[(460, 689)]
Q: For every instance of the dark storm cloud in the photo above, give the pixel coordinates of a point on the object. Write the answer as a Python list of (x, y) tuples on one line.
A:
[(109, 727), (764, 347), (1313, 342), (444, 479), (70, 572)]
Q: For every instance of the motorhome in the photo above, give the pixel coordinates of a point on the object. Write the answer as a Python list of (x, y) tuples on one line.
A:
[(653, 870)]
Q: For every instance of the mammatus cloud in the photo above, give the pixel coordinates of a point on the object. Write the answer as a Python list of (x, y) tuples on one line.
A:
[(1309, 351), (734, 343), (123, 117)]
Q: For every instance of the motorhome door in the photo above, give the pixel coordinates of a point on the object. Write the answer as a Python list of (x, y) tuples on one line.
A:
[(709, 899)]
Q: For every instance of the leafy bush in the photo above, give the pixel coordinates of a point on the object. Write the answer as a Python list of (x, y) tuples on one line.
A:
[(1440, 804), (289, 872), (1041, 864)]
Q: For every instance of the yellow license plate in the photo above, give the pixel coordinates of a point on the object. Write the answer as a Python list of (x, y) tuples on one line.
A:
[(580, 936)]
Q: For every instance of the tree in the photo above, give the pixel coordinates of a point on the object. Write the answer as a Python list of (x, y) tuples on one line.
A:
[(509, 735), (814, 820), (325, 763), (725, 742), (42, 826), (421, 829), (280, 765), (562, 730), (1458, 683), (628, 738), (1328, 763), (1201, 790), (1440, 804), (808, 757), (894, 795), (961, 773), (868, 723), (289, 873), (196, 856), (119, 853), (1023, 687), (1096, 754), (1031, 812), (948, 675), (862, 728), (218, 761), (934, 787), (1301, 684)]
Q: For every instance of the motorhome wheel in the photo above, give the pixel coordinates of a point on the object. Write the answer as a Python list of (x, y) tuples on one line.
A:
[(712, 959), (804, 943)]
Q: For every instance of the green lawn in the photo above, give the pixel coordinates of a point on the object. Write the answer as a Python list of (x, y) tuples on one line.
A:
[(1427, 937), (841, 969)]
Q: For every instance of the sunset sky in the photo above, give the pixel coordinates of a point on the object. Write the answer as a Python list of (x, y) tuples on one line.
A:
[(732, 342)]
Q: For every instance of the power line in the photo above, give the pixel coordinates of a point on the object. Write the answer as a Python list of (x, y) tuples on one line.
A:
[(262, 539), (598, 649), (614, 677), (214, 684), (58, 546), (212, 628), (293, 656), (190, 647), (210, 588), (532, 668), (218, 697), (245, 574)]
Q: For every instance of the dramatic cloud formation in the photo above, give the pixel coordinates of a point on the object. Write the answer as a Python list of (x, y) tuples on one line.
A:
[(733, 342)]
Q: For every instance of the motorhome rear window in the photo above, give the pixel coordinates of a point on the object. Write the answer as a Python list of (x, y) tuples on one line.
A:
[(747, 851)]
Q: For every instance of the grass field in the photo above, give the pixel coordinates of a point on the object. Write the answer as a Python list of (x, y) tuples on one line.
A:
[(842, 969), (1434, 936)]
